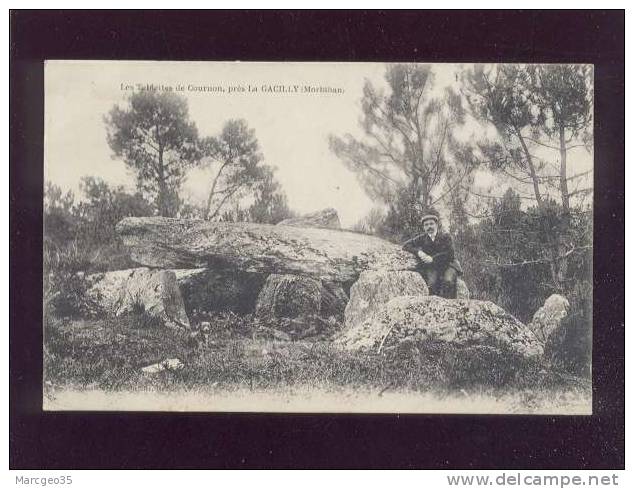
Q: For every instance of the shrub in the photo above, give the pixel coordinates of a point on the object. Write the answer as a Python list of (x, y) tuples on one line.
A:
[(65, 284), (570, 347)]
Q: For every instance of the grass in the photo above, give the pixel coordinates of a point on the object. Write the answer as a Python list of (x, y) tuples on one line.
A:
[(108, 354)]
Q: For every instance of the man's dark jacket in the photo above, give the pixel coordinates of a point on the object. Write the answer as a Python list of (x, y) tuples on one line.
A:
[(440, 249)]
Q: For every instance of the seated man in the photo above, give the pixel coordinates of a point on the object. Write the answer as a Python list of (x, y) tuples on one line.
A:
[(435, 253)]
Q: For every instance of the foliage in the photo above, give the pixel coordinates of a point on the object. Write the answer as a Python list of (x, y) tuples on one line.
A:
[(404, 217), (89, 224), (570, 347), (409, 140), (191, 210), (270, 204), (64, 258), (104, 207), (65, 285), (505, 255), (536, 109), (563, 94), (236, 161), (371, 223), (60, 224), (155, 138)]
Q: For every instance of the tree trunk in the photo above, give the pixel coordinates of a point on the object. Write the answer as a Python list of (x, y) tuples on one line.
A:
[(563, 177), (555, 268), (162, 195), (219, 206), (214, 183), (208, 206), (564, 230), (557, 262), (162, 203), (423, 193), (531, 169)]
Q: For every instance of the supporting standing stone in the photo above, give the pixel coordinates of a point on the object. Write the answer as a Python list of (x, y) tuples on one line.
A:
[(462, 292), (157, 291), (333, 301), (289, 296), (375, 288)]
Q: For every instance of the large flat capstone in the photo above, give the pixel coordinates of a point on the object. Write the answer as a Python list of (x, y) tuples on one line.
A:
[(325, 253)]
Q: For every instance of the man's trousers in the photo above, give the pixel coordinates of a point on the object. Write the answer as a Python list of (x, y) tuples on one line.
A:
[(441, 283)]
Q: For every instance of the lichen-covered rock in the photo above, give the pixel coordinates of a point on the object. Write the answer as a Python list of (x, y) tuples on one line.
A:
[(459, 322), (206, 290), (157, 291), (326, 218), (374, 289), (328, 254), (289, 296), (548, 318), (462, 292)]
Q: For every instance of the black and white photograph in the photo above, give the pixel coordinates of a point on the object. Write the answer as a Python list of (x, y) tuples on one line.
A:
[(318, 237)]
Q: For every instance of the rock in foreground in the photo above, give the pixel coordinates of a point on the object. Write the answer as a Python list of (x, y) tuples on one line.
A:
[(548, 318), (459, 322), (329, 254), (167, 364)]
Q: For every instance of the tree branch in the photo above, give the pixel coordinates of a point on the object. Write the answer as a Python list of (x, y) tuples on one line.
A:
[(495, 197), (213, 187), (540, 143), (576, 146), (467, 171), (541, 260), (579, 175), (222, 202), (581, 191)]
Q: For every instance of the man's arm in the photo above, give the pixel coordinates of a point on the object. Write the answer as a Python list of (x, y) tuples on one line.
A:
[(413, 245)]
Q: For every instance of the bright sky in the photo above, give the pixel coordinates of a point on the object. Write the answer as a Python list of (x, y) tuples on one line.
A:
[(292, 129)]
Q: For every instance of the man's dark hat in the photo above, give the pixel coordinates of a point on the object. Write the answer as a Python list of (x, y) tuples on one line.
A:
[(433, 217)]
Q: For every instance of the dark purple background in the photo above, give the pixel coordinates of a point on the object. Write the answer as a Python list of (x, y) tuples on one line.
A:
[(143, 440)]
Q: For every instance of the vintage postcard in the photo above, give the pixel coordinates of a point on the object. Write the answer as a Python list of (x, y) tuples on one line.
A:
[(318, 237)]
